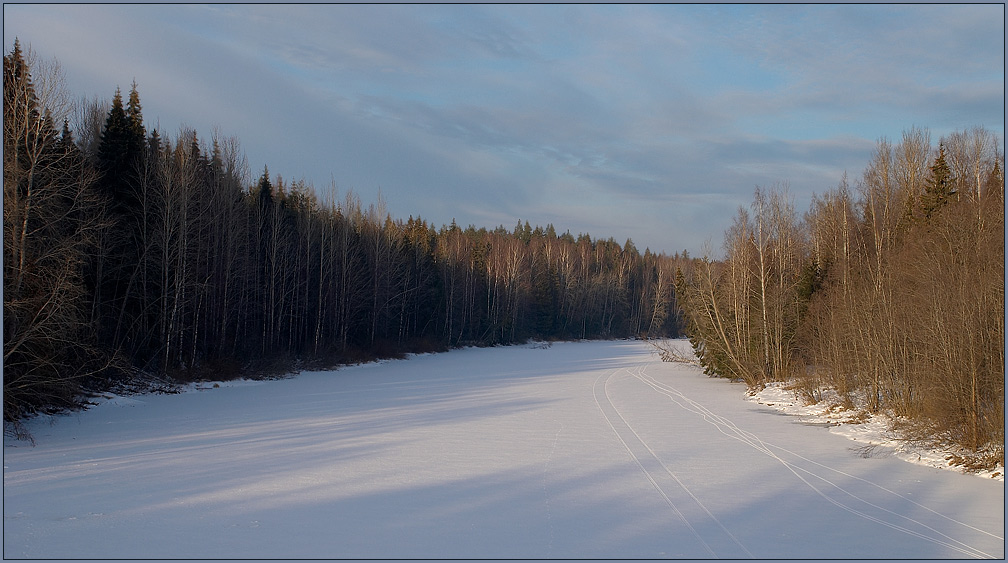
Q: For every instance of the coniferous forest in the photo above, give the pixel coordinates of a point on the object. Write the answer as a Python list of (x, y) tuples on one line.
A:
[(133, 255)]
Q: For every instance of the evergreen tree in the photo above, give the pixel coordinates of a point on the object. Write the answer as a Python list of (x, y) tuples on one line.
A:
[(938, 190), (126, 184), (154, 144), (50, 219), (113, 149), (19, 98), (122, 146), (66, 138), (136, 134)]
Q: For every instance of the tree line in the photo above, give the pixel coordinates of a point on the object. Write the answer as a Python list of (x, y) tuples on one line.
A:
[(891, 291), (133, 255)]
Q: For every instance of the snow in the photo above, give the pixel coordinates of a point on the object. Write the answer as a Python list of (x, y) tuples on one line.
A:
[(576, 450), (873, 432)]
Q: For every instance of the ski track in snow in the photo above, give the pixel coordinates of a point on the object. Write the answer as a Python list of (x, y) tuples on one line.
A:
[(643, 460), (579, 450), (728, 428)]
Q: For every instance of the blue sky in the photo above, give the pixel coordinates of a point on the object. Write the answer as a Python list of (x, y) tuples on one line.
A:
[(650, 122)]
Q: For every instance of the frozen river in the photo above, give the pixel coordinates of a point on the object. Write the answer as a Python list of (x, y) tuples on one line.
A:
[(579, 450)]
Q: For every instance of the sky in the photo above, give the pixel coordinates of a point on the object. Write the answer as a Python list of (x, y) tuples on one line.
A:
[(649, 122)]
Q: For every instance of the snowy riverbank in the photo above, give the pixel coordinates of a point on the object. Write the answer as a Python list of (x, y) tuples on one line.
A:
[(871, 434)]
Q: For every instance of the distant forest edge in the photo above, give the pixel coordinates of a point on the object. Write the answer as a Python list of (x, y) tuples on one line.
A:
[(133, 256)]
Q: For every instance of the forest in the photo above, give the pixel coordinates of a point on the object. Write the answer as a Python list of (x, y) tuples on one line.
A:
[(890, 292), (133, 257)]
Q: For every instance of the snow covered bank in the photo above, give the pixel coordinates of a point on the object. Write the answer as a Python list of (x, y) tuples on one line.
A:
[(872, 433), (578, 450)]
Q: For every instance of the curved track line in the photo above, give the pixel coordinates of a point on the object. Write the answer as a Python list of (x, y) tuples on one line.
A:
[(647, 474), (679, 481), (723, 424), (751, 439), (758, 444)]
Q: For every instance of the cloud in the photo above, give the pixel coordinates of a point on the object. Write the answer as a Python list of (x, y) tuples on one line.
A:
[(654, 122), (867, 61)]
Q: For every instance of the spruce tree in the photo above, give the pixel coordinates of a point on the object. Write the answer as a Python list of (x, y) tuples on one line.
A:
[(154, 144), (28, 131), (66, 138), (265, 190), (122, 146), (113, 153), (19, 91), (135, 132), (112, 147), (938, 190), (120, 158)]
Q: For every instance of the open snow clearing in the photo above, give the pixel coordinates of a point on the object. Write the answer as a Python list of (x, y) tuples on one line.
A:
[(578, 450)]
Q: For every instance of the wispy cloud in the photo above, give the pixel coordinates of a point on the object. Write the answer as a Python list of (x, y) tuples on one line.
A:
[(650, 122)]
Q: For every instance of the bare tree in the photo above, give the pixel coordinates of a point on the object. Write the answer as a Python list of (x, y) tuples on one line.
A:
[(88, 122)]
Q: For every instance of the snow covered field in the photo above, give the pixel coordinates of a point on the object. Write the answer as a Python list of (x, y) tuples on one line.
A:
[(579, 450)]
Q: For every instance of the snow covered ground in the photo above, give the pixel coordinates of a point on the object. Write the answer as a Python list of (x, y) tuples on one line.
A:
[(579, 450)]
